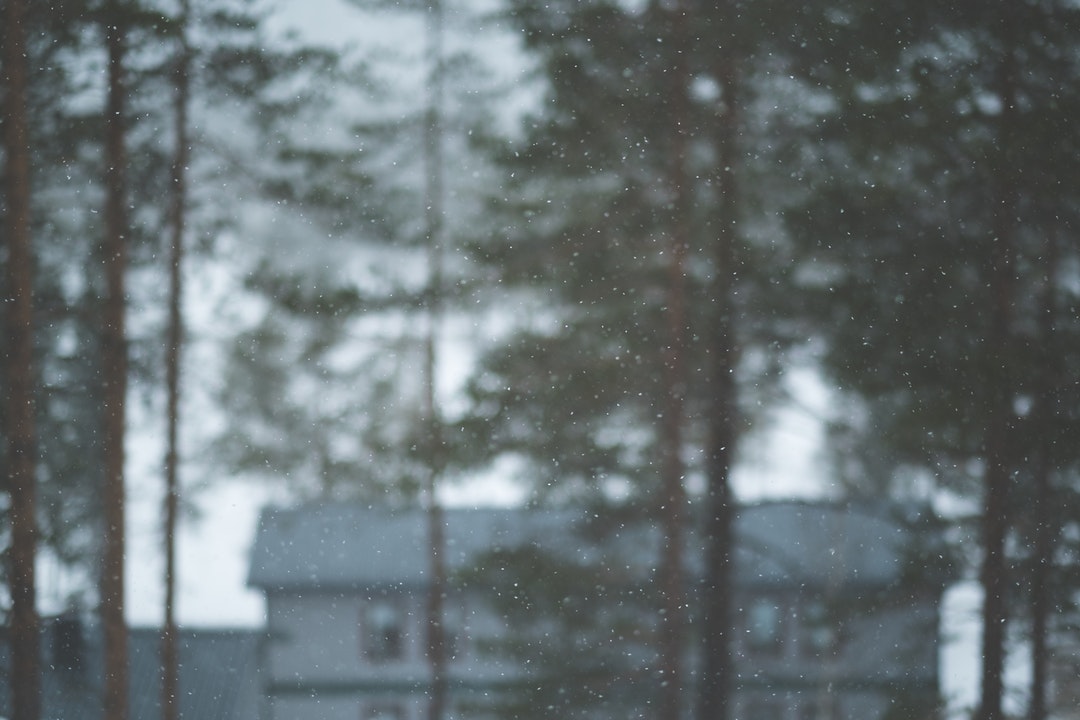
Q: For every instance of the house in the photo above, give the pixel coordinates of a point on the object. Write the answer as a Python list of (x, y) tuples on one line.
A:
[(831, 620), (217, 672)]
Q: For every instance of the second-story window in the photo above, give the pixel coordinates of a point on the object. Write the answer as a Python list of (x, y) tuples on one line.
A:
[(821, 631), (764, 625), (382, 628)]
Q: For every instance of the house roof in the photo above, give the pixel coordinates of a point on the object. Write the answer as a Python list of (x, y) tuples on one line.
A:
[(218, 673), (823, 543), (342, 546)]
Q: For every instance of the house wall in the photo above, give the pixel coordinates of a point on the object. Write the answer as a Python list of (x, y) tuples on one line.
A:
[(835, 657), (898, 640), (317, 638), (342, 707), (318, 666), (318, 663)]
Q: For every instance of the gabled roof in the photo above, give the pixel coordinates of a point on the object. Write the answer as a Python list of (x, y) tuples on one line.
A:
[(821, 543), (218, 673), (335, 545), (349, 546)]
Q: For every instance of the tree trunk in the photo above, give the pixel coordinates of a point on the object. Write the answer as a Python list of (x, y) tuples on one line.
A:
[(436, 636), (717, 601), (115, 380), (998, 433), (22, 442), (433, 209), (673, 493), (170, 683), (1046, 529)]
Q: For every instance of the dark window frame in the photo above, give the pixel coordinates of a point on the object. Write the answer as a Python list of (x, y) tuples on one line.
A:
[(821, 629), (382, 639), (759, 639)]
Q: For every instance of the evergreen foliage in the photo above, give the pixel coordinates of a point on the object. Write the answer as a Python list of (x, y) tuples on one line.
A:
[(355, 305), (66, 96), (887, 192), (929, 237)]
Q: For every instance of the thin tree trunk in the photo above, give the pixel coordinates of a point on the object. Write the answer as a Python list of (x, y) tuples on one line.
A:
[(673, 493), (993, 571), (115, 379), (170, 683), (998, 429), (22, 442), (1040, 606), (717, 601), (436, 638), (1046, 527), (433, 209)]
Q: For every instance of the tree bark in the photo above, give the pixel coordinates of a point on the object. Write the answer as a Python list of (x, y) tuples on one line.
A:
[(436, 635), (170, 684), (22, 441), (114, 350), (717, 601), (1044, 421), (433, 209), (673, 492), (998, 431)]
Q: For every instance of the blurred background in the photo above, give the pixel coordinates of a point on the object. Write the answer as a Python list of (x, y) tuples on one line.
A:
[(671, 266)]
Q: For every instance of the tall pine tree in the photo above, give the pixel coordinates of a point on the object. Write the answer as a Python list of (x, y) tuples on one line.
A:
[(115, 369), (19, 406), (942, 173)]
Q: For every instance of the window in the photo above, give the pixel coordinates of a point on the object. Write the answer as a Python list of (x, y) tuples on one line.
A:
[(382, 628), (764, 625), (819, 629)]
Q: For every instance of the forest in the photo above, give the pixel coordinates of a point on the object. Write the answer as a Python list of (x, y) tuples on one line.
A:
[(580, 245)]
